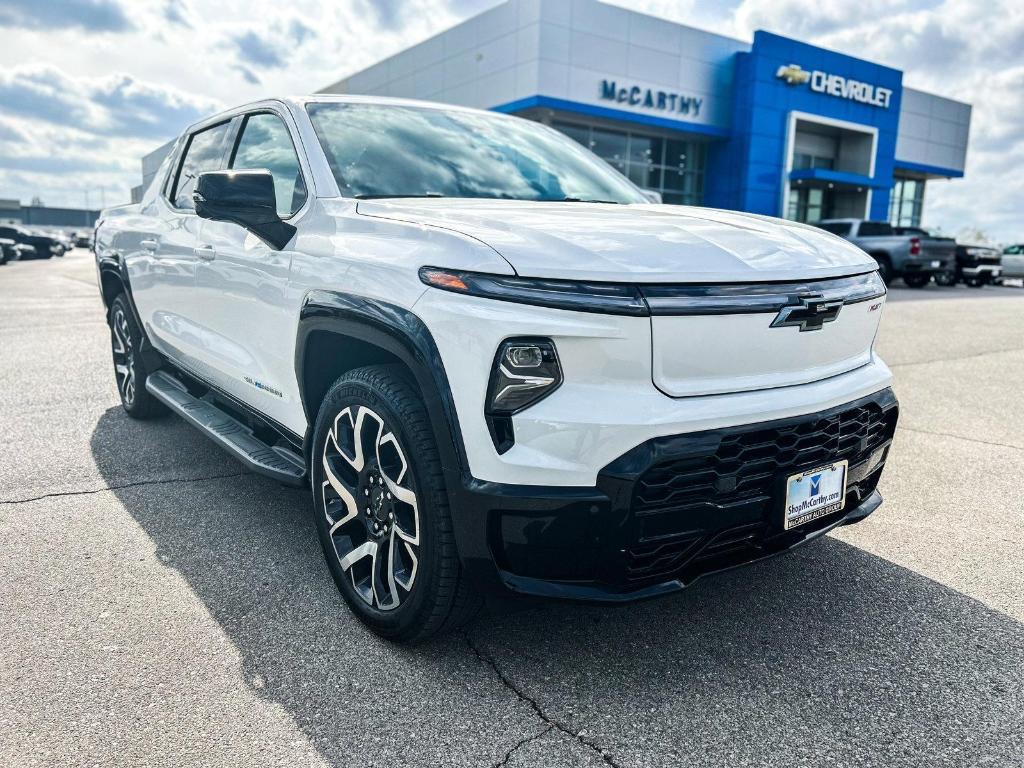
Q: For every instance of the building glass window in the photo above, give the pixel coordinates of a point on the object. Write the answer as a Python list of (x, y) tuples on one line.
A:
[(809, 204), (672, 167), (802, 161), (905, 202)]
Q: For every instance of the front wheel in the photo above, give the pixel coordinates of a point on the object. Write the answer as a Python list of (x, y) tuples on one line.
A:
[(946, 278), (381, 508)]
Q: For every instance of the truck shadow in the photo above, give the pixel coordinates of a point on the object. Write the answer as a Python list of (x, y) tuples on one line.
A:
[(829, 656)]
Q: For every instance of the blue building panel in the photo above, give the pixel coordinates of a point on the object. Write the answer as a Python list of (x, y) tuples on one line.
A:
[(780, 77)]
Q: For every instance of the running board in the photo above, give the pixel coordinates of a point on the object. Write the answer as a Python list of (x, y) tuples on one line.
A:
[(230, 434)]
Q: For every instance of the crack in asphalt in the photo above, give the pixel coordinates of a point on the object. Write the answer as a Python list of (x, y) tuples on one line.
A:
[(538, 710), (125, 485), (957, 359), (519, 745), (961, 437)]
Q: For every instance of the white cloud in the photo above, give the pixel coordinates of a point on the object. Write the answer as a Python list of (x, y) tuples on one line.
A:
[(107, 95)]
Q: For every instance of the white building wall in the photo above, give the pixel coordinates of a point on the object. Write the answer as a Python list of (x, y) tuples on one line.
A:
[(561, 49), (933, 130)]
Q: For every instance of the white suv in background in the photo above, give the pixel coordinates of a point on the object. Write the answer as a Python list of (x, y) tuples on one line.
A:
[(492, 361)]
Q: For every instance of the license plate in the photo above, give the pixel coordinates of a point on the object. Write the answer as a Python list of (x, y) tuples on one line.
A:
[(936, 264), (815, 493)]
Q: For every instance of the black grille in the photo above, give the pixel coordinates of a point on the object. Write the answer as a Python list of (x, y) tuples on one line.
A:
[(745, 464), (716, 506)]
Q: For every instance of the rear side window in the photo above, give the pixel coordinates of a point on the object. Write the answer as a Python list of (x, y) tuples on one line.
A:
[(874, 229), (266, 144), (841, 228), (204, 152)]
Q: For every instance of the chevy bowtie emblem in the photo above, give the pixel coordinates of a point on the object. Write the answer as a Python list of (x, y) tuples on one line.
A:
[(793, 74), (810, 314)]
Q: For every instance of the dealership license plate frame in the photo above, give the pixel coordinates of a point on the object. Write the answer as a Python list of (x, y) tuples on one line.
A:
[(834, 474)]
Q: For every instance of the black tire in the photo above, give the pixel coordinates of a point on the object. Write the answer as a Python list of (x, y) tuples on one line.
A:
[(917, 280), (884, 268), (975, 282), (129, 367), (395, 524), (946, 278)]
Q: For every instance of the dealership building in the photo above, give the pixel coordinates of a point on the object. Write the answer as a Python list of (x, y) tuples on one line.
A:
[(774, 126)]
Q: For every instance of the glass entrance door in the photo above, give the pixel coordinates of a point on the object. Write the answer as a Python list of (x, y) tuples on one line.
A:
[(809, 204)]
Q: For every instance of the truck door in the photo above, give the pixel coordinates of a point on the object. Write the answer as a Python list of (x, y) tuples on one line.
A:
[(248, 319), (162, 259)]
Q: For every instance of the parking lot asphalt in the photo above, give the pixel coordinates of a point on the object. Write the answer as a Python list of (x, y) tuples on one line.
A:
[(161, 606)]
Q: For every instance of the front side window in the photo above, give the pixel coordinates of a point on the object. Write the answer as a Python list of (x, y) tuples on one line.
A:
[(377, 150), (266, 144), (204, 152)]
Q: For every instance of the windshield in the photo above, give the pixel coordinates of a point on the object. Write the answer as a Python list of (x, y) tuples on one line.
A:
[(386, 150)]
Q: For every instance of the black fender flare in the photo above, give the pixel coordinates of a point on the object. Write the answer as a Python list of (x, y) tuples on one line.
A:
[(112, 266), (401, 334)]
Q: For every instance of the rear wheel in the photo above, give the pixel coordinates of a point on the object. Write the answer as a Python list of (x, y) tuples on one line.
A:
[(917, 280), (946, 278), (129, 368), (381, 508)]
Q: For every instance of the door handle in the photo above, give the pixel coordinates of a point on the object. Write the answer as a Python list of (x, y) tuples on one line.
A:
[(149, 244), (206, 252)]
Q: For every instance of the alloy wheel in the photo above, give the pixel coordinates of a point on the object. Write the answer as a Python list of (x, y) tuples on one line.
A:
[(124, 356), (372, 511)]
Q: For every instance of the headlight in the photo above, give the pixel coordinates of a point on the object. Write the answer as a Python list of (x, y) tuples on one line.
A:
[(606, 298), (525, 371)]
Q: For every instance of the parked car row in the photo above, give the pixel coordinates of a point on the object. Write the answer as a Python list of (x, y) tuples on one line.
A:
[(20, 242), (11, 250), (918, 256)]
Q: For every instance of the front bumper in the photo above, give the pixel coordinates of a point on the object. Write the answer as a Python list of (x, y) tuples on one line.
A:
[(671, 510), (983, 271)]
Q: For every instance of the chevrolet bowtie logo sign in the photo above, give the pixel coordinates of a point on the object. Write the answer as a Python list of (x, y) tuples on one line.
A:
[(835, 85), (810, 314), (793, 74)]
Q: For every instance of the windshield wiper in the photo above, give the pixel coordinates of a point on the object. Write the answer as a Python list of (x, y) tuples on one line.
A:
[(385, 197), (581, 200)]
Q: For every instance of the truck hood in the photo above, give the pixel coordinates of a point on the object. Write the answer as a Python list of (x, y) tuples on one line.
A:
[(638, 243)]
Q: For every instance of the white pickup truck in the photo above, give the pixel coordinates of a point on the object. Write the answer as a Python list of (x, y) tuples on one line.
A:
[(493, 362)]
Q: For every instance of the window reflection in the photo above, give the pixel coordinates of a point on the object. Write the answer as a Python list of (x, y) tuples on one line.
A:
[(387, 150), (672, 167)]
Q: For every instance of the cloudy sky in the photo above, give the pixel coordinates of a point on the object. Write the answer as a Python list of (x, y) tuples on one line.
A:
[(89, 86)]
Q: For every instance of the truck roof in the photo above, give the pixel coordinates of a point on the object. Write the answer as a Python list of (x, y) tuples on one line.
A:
[(298, 103)]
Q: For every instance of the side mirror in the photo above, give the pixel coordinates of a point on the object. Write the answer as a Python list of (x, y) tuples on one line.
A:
[(652, 196), (245, 198)]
